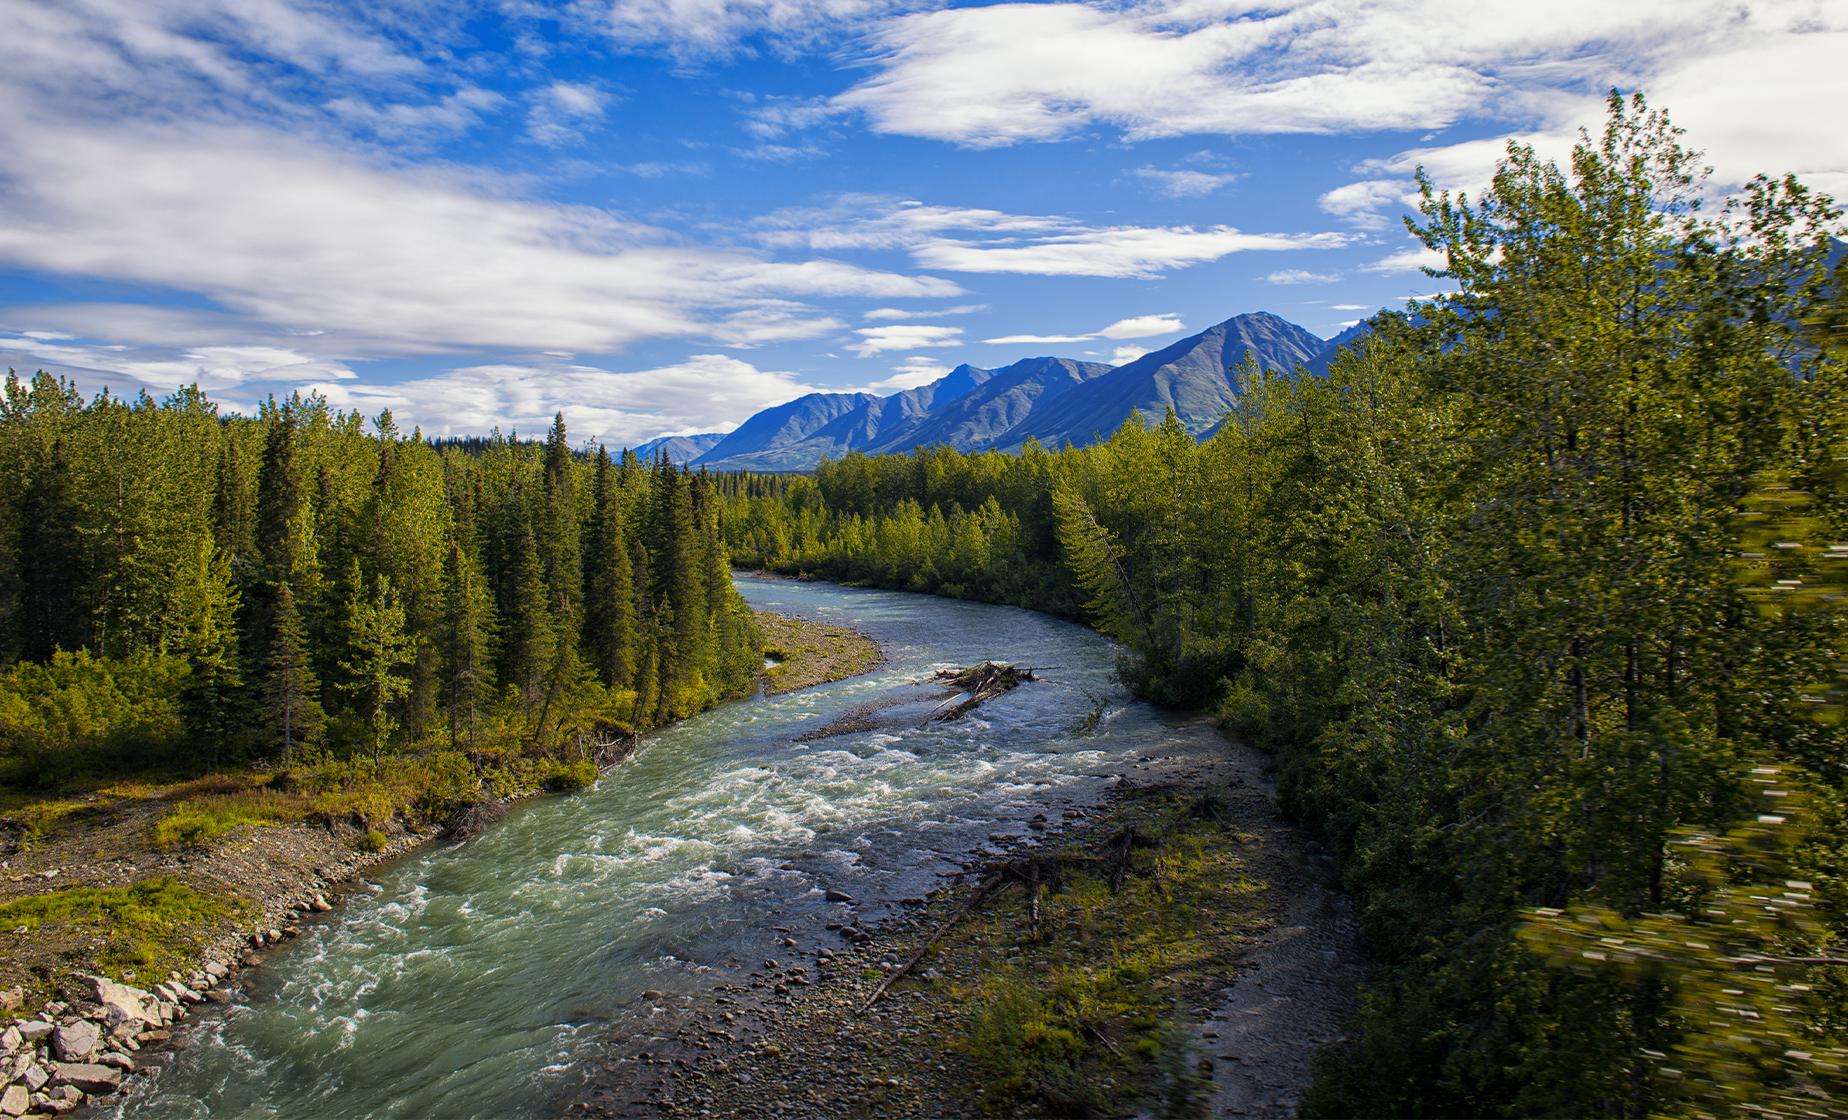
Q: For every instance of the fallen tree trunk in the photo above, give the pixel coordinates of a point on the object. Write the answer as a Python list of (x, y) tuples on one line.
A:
[(978, 684)]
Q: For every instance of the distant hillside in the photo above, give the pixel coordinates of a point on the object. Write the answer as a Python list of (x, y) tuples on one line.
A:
[(678, 449), (1053, 400)]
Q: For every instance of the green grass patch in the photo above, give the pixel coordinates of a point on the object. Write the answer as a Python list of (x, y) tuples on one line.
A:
[(195, 824), (146, 927), (1081, 1022)]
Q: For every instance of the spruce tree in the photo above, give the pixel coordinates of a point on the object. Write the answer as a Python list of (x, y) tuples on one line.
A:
[(377, 652), (212, 703), (291, 695), (609, 590), (50, 573)]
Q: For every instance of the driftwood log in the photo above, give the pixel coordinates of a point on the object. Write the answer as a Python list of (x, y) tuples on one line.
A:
[(976, 685)]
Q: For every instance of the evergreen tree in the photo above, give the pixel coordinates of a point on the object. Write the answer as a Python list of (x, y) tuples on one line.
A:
[(609, 590), (467, 668), (291, 697), (378, 650), (213, 702), (50, 571)]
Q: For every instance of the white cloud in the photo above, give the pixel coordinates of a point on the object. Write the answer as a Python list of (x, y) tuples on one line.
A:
[(705, 393), (964, 239), (1184, 182), (127, 369), (448, 115), (912, 373), (1361, 202), (1119, 251), (156, 143), (874, 340), (887, 314), (692, 28), (1124, 354), (1407, 260), (988, 76), (1300, 276), (561, 110), (1037, 339), (1142, 326)]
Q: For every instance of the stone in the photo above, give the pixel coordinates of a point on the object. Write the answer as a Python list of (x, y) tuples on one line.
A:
[(15, 1100), (833, 895), (11, 1039), (121, 1003), (251, 960), (120, 1061), (75, 1041), (35, 1030), (88, 1077), (12, 999), (217, 970), (35, 1078), (321, 904)]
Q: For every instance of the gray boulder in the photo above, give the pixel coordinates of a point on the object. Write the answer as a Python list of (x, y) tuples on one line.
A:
[(75, 1041), (121, 1003), (87, 1077)]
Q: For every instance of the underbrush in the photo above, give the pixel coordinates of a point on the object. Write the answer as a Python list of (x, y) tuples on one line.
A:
[(1079, 1021)]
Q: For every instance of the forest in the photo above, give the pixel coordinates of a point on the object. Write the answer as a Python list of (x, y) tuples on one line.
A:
[(1536, 600), (181, 590)]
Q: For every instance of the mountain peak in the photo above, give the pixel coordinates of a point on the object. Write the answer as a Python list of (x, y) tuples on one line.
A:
[(1054, 400)]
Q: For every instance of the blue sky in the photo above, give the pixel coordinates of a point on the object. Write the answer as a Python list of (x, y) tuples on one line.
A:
[(662, 215)]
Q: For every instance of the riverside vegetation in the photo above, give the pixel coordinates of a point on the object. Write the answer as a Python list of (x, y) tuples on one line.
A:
[(1534, 598), (216, 624), (1537, 602)]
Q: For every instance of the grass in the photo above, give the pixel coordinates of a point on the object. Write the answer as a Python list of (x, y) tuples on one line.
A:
[(197, 823), (1079, 1022), (807, 653), (147, 927)]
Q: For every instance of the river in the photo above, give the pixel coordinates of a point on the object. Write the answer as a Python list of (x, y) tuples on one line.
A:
[(472, 979)]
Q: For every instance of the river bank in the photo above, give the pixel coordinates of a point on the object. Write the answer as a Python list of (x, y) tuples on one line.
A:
[(108, 927), (1179, 950), (480, 979)]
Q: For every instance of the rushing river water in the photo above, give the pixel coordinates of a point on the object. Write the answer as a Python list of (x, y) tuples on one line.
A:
[(472, 978)]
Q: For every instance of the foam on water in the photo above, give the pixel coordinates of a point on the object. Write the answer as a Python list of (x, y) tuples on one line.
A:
[(471, 981)]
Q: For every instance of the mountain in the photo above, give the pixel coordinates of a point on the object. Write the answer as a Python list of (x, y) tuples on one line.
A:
[(1192, 376), (986, 417), (797, 435), (1053, 400), (678, 449)]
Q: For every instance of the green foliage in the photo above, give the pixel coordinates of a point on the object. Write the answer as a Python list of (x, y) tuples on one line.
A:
[(151, 926), (78, 715), (1480, 591), (373, 841), (323, 585), (567, 776), (197, 823)]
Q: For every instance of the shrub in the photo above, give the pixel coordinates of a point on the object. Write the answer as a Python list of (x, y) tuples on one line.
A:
[(78, 714), (562, 776), (373, 841)]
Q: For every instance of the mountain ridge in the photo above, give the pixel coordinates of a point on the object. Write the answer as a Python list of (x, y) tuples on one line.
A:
[(1050, 399)]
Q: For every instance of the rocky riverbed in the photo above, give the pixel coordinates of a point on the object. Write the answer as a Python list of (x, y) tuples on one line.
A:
[(1261, 973)]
